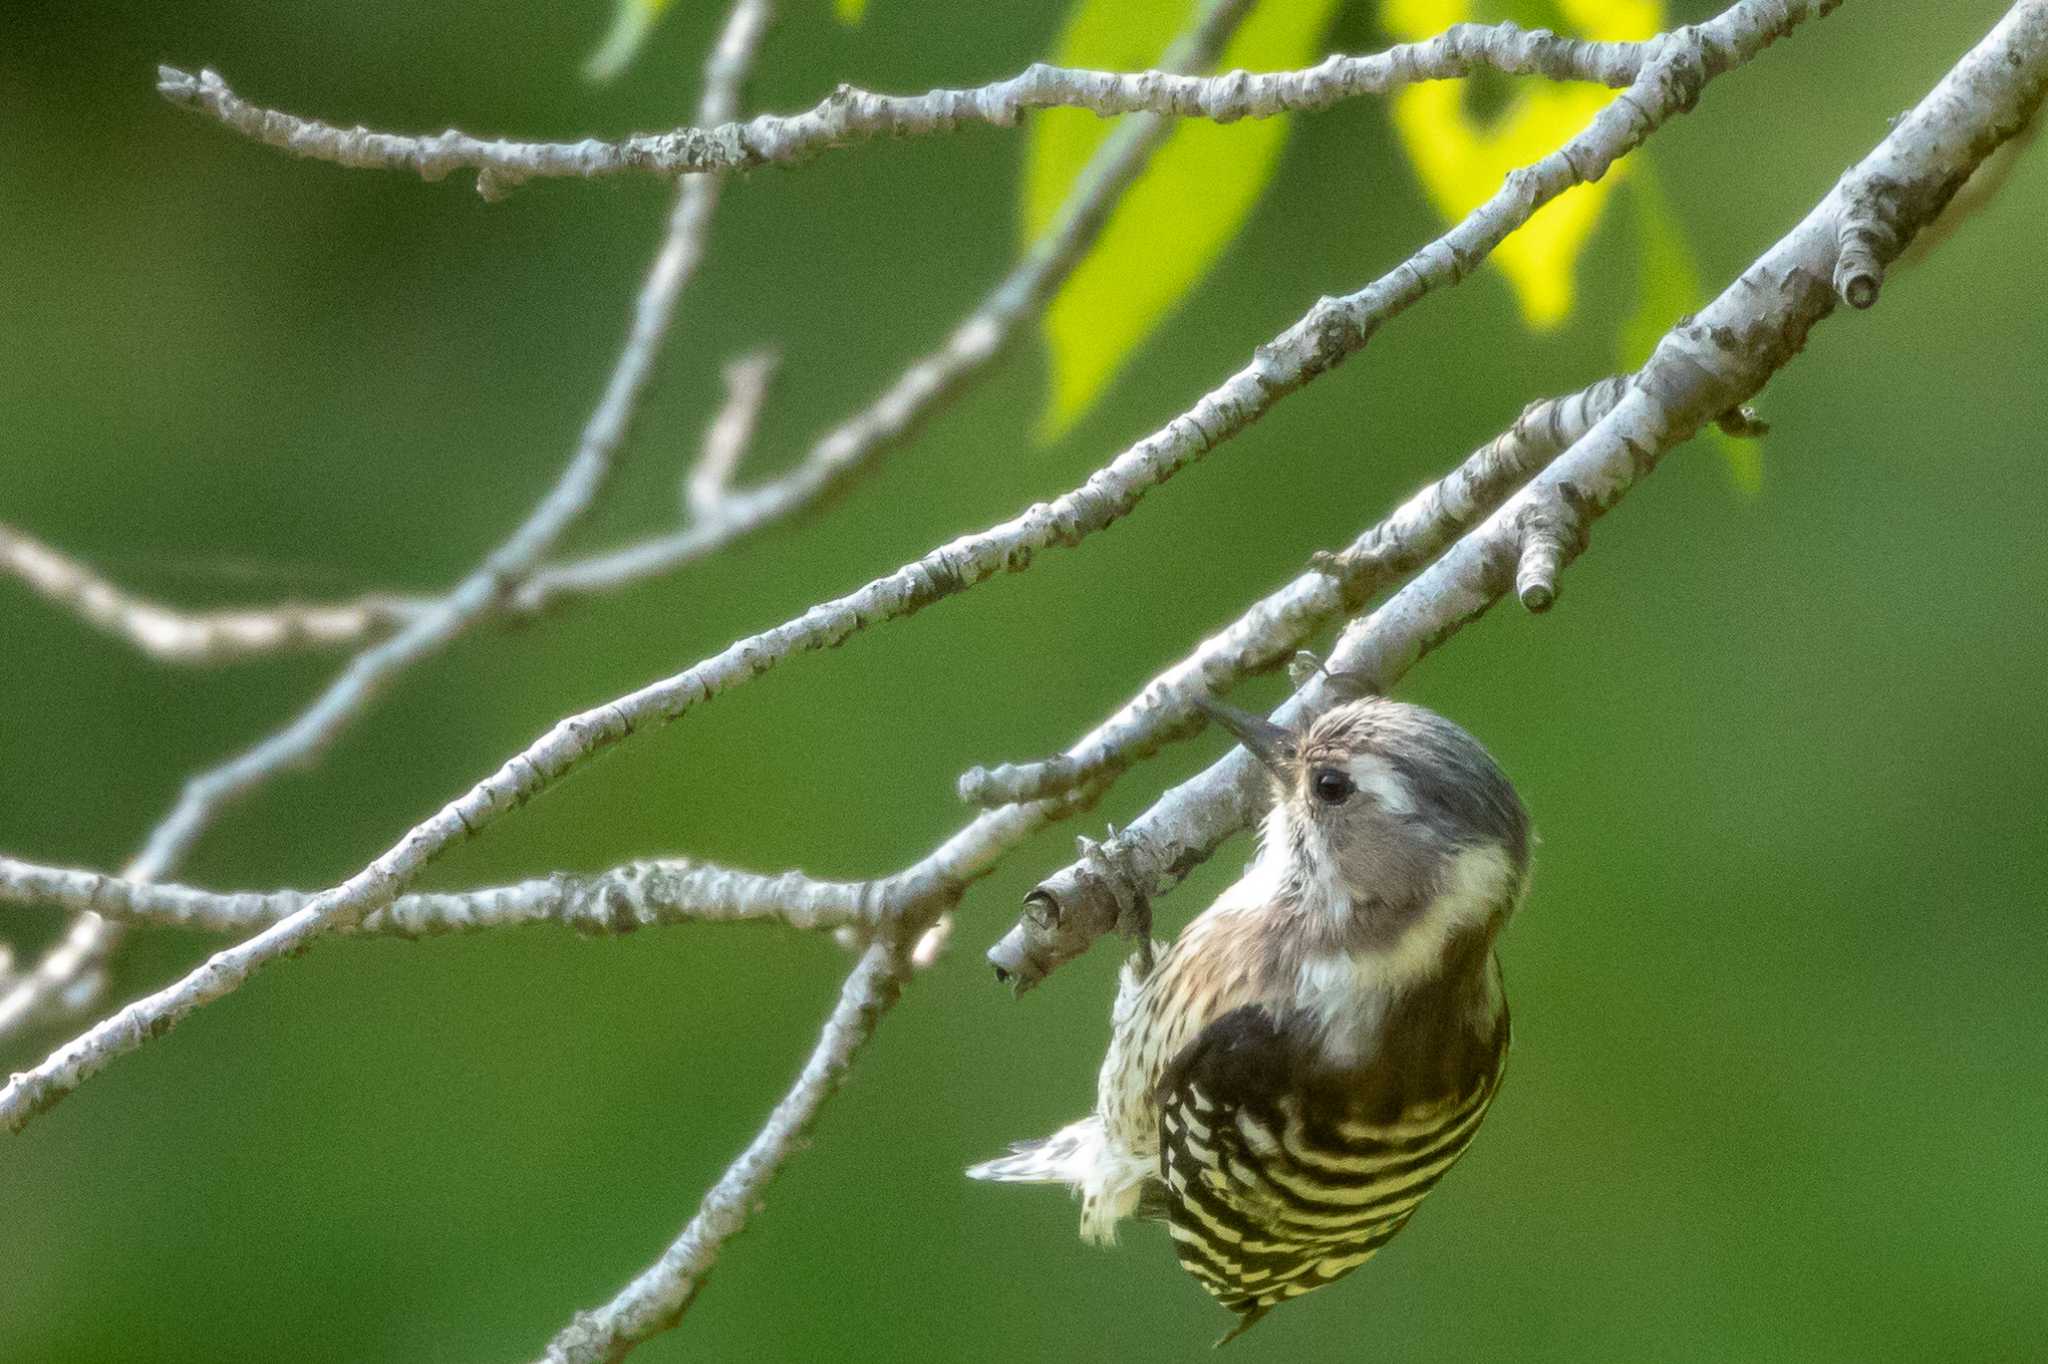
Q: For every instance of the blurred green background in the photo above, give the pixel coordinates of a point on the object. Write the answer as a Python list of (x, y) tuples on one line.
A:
[(1779, 1086)]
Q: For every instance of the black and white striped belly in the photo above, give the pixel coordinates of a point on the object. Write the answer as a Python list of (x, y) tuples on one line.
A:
[(1270, 1196)]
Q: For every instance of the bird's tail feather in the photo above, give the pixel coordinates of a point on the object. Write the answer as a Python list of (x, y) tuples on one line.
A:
[(1247, 1317), (1065, 1157)]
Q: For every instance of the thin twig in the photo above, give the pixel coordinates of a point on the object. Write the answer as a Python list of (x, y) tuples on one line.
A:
[(893, 417), (217, 636), (622, 899), (851, 115), (66, 972), (730, 435)]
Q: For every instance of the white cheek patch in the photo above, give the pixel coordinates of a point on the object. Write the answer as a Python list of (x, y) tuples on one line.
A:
[(1342, 988), (1377, 778), (1477, 882)]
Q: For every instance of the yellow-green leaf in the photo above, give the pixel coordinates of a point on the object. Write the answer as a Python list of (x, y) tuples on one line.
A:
[(632, 21), (1461, 158), (1668, 287), (1176, 219), (850, 11)]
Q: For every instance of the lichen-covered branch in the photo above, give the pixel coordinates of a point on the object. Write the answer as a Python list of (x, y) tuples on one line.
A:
[(86, 944), (1706, 366), (217, 636), (1669, 81), (851, 115), (638, 895)]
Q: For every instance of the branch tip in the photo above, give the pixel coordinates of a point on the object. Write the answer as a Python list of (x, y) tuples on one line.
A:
[(1552, 534), (179, 87), (707, 488)]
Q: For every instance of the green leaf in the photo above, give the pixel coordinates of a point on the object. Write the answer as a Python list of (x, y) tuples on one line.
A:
[(1176, 219), (850, 12), (1668, 287), (632, 21)]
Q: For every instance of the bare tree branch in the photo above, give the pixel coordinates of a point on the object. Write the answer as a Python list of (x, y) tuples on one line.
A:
[(1707, 365), (912, 909), (674, 891), (70, 971), (638, 895), (175, 636), (851, 115), (80, 952), (1334, 328)]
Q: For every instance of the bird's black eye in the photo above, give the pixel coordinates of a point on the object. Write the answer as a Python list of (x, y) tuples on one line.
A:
[(1331, 786)]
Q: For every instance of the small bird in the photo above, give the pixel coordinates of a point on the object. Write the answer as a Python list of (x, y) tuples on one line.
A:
[(1297, 1071)]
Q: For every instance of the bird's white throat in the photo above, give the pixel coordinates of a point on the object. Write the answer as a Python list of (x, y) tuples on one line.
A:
[(1348, 990)]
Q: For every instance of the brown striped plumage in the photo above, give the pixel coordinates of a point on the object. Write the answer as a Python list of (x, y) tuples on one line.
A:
[(1301, 1067)]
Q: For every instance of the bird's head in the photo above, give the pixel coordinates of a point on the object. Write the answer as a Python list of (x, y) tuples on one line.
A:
[(1387, 814)]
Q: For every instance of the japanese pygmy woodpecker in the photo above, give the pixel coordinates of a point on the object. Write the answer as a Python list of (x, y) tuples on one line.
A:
[(1297, 1071)]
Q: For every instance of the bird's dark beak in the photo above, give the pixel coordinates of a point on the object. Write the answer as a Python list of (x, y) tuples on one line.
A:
[(1271, 744)]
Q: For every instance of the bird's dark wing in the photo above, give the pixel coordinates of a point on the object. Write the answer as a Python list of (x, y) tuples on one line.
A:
[(1283, 1175)]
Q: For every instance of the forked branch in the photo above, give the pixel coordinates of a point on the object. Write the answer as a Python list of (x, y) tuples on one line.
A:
[(174, 635)]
